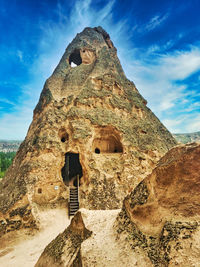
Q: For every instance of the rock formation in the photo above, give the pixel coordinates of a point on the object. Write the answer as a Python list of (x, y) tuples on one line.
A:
[(158, 226), (162, 214), (64, 250), (90, 121)]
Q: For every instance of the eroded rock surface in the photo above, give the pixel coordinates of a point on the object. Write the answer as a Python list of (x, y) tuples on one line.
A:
[(65, 249), (91, 110), (162, 214)]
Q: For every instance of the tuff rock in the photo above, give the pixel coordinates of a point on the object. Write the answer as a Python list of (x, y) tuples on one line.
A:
[(158, 225), (94, 112), (161, 216), (65, 249)]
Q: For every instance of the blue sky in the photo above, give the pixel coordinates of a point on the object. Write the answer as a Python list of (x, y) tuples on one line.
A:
[(158, 44)]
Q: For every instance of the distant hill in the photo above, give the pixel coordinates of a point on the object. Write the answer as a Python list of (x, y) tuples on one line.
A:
[(187, 137), (9, 145)]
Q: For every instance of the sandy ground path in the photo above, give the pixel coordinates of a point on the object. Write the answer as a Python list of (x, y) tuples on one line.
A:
[(27, 252), (100, 250)]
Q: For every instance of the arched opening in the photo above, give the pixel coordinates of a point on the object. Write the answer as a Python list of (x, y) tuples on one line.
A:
[(63, 135), (63, 139), (107, 144), (72, 170), (75, 58)]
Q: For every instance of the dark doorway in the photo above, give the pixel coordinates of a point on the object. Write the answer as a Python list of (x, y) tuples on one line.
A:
[(71, 169)]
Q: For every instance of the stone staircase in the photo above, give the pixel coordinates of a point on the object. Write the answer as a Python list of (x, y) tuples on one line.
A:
[(73, 201)]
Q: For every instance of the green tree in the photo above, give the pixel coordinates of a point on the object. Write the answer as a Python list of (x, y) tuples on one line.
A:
[(6, 159)]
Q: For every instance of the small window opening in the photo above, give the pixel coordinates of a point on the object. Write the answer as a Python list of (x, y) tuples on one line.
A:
[(64, 137), (75, 58), (97, 151), (39, 190)]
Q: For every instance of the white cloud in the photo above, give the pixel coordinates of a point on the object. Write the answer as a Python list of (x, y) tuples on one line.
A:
[(7, 101), (20, 55), (13, 126), (54, 39), (157, 79), (155, 22), (181, 64), (194, 124), (173, 125), (191, 122)]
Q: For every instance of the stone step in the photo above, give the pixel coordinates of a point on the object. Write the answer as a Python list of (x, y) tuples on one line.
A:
[(74, 210), (73, 195), (73, 201), (74, 206)]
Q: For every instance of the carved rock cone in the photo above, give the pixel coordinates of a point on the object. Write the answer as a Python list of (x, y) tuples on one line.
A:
[(90, 121)]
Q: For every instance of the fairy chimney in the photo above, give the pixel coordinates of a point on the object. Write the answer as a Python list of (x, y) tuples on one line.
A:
[(92, 128)]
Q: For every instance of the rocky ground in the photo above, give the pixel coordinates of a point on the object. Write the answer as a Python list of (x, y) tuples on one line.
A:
[(26, 248), (158, 225), (101, 249)]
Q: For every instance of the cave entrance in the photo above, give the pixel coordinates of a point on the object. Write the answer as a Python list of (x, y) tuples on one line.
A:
[(72, 170)]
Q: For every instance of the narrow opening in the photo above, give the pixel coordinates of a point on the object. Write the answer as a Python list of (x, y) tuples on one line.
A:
[(97, 151), (75, 58), (39, 190), (63, 139), (72, 169)]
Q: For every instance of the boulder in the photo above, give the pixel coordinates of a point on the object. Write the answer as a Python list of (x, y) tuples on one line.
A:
[(162, 215)]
